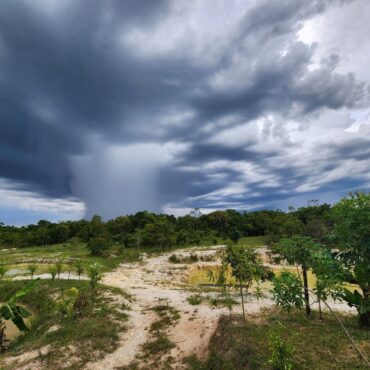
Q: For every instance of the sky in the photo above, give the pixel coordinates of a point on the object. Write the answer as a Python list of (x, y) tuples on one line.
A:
[(113, 107)]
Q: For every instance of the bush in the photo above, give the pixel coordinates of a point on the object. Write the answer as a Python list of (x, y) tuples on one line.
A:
[(288, 290), (98, 245)]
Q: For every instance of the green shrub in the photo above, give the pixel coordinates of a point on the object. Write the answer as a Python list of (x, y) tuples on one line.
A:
[(281, 351), (288, 290), (194, 300)]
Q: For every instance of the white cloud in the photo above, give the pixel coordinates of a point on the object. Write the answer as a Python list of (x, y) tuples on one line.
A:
[(27, 200)]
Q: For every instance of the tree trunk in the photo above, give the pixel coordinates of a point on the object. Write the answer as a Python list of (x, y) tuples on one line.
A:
[(320, 310), (364, 318), (306, 295), (242, 296)]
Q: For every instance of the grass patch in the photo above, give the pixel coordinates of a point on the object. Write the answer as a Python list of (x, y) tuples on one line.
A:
[(91, 333), (253, 241), (195, 300), (222, 301), (159, 344), (317, 345), (167, 317)]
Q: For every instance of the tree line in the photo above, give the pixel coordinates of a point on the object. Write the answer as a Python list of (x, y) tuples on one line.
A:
[(161, 230)]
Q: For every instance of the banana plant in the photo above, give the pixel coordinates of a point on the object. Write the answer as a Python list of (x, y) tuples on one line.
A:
[(11, 311)]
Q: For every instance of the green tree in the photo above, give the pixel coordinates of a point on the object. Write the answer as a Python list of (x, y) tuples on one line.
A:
[(95, 275), (352, 237), (247, 267), (79, 267), (287, 290), (98, 244), (58, 268), (64, 306), (52, 272), (298, 251)]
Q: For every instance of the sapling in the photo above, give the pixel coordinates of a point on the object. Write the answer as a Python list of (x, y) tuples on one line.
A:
[(3, 271), (287, 291), (95, 275), (79, 269), (32, 268), (53, 272), (298, 250), (247, 267), (59, 267), (65, 305)]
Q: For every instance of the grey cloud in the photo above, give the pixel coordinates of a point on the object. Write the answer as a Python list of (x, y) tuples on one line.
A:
[(68, 81)]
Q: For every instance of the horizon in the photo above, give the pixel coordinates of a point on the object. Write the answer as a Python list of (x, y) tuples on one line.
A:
[(201, 212), (115, 107)]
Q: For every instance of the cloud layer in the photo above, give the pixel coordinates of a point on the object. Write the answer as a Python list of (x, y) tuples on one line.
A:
[(125, 106)]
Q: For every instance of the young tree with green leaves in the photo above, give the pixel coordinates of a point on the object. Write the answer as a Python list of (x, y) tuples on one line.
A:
[(95, 275), (287, 290), (98, 244), (52, 272), (79, 267), (64, 306), (32, 268), (351, 238), (58, 268), (247, 267), (298, 251)]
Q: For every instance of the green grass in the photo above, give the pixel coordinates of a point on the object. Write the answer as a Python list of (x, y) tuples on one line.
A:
[(194, 300), (92, 333), (167, 316), (253, 241), (317, 345), (158, 344)]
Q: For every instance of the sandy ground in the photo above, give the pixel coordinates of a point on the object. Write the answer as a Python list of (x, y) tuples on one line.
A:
[(155, 281)]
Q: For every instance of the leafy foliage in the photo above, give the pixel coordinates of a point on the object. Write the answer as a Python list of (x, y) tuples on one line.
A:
[(288, 290), (246, 268), (11, 311), (352, 236), (281, 351), (95, 275)]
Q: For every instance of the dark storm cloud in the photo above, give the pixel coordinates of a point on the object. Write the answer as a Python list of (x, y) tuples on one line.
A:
[(68, 77)]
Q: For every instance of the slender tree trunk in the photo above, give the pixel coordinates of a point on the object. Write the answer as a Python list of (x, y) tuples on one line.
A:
[(242, 296), (306, 295), (229, 298), (320, 311), (364, 318)]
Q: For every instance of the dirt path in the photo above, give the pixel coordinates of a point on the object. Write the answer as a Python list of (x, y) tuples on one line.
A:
[(156, 281)]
